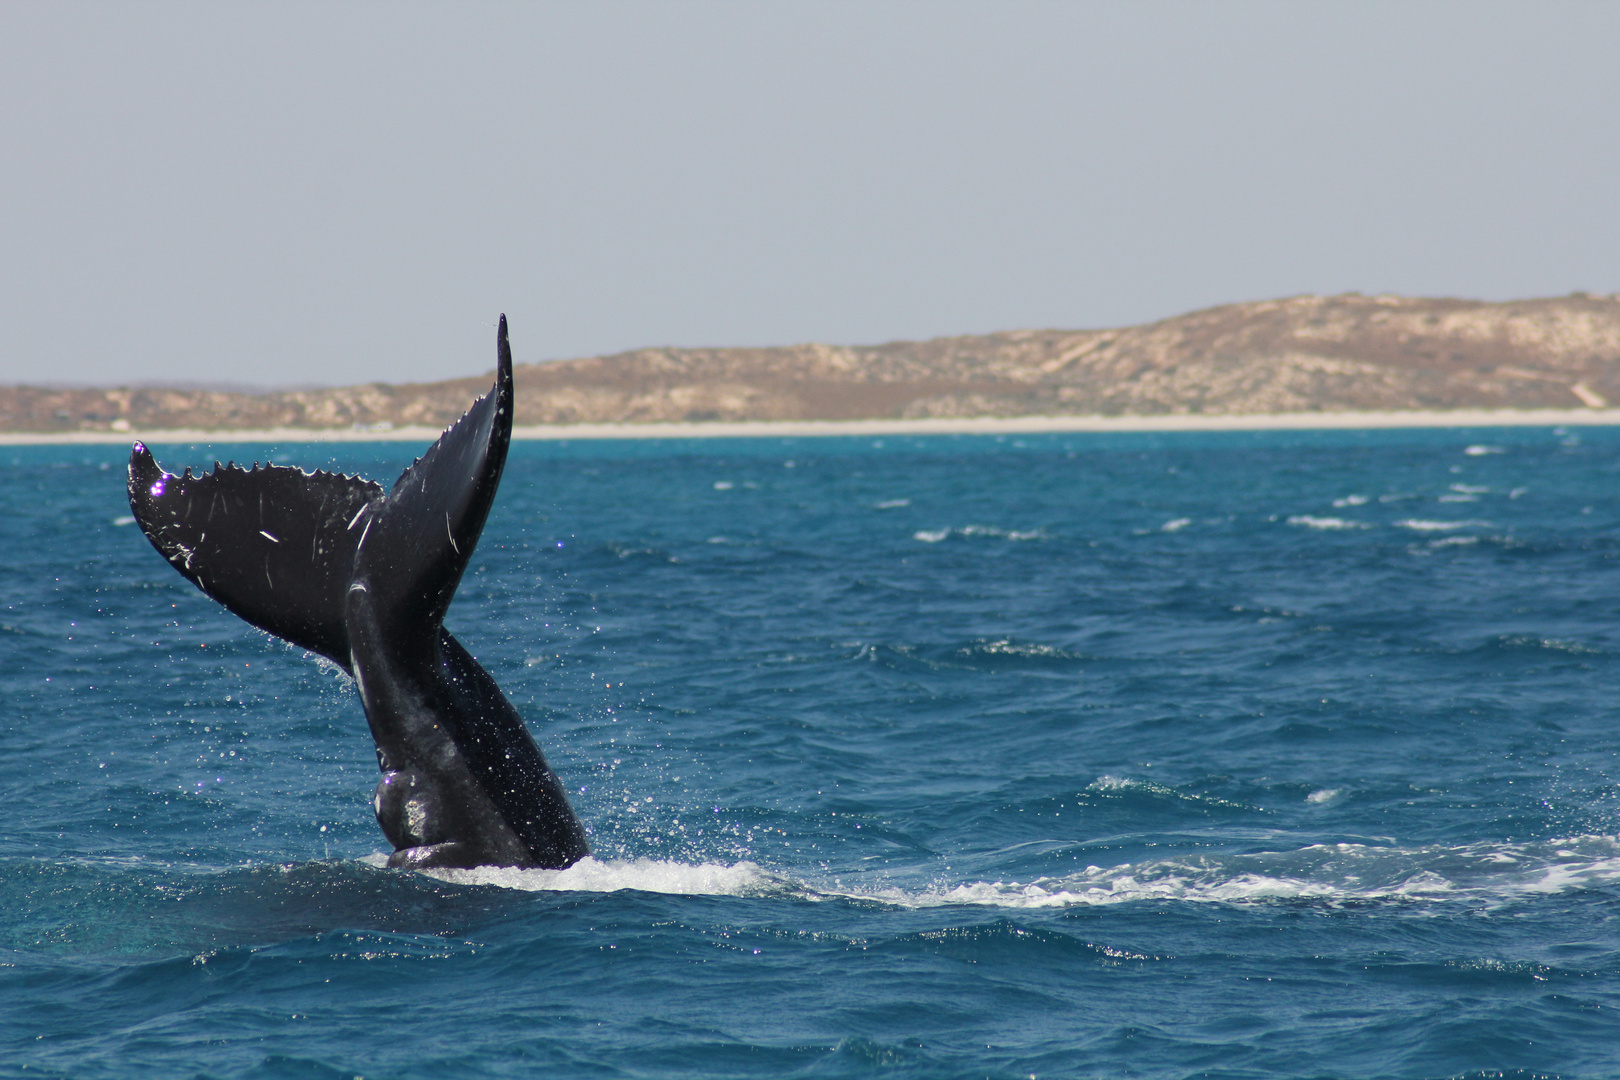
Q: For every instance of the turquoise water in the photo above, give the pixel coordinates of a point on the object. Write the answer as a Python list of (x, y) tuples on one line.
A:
[(1235, 755)]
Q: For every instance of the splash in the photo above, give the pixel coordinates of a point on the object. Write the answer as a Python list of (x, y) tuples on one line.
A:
[(1490, 874), (643, 875)]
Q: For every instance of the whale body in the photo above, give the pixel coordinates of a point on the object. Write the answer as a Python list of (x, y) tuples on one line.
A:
[(334, 565)]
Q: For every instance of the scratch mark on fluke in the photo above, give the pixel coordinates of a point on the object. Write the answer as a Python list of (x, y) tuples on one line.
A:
[(463, 783)]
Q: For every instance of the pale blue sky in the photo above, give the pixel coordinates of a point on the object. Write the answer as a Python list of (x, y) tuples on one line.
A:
[(328, 193)]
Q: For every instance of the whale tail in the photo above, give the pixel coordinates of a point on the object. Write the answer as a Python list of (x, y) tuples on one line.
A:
[(332, 564), (281, 547)]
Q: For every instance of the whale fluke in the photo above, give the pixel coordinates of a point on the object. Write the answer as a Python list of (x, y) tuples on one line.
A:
[(271, 543), (331, 564), (417, 542)]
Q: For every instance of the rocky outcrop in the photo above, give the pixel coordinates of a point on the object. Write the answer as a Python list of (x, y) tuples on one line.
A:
[(1307, 353)]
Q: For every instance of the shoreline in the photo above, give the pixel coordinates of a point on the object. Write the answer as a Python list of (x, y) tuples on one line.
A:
[(988, 425)]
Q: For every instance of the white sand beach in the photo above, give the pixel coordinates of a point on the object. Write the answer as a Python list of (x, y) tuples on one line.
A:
[(988, 425)]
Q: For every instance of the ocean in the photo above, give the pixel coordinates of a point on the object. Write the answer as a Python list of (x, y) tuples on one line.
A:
[(1080, 755)]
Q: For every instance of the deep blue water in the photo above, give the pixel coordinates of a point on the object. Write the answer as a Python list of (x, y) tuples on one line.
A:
[(1236, 755)]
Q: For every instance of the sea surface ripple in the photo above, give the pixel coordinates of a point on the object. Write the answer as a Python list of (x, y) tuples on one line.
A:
[(1224, 755)]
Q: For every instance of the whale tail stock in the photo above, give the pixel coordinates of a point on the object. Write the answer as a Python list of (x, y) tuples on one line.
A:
[(285, 549)]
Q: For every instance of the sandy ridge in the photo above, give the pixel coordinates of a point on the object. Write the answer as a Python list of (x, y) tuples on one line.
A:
[(1326, 355)]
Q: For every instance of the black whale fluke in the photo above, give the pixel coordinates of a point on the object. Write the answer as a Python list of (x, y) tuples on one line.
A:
[(333, 565)]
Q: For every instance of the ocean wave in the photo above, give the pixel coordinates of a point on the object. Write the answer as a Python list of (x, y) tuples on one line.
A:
[(1420, 525), (1533, 642), (1326, 522), (620, 550), (1011, 652), (934, 536), (1491, 873), (1121, 785), (1483, 873), (977, 655)]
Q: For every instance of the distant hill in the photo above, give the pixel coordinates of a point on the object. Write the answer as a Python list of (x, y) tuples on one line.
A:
[(1307, 353)]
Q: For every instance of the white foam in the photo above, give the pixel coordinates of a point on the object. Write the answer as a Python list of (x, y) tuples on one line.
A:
[(1568, 876), (891, 504), (1005, 534), (934, 536), (1175, 524), (1350, 500), (1480, 449), (1440, 526), (644, 875), (1322, 796), (125, 520), (1326, 522), (1487, 872), (1481, 873)]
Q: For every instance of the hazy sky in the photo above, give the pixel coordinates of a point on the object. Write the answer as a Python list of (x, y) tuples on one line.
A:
[(326, 193)]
